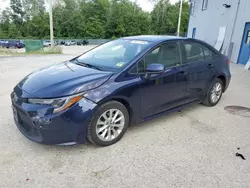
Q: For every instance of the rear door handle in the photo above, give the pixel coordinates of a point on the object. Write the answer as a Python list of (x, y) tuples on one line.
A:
[(210, 66)]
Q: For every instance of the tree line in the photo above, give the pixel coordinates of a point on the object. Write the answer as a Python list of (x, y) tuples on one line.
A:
[(90, 19)]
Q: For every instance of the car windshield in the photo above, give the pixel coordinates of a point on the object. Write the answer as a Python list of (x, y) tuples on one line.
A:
[(115, 55)]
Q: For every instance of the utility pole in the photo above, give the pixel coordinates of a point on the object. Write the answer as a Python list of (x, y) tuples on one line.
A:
[(51, 24), (179, 20)]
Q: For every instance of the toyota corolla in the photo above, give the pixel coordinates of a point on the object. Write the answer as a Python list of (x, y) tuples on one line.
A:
[(98, 94)]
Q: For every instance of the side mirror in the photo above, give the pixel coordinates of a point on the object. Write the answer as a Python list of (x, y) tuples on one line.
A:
[(154, 69)]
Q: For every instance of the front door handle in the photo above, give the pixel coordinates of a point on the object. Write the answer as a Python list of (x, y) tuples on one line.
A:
[(182, 73), (210, 66)]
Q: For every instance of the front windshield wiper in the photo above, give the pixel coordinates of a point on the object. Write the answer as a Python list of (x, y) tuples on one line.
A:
[(87, 65)]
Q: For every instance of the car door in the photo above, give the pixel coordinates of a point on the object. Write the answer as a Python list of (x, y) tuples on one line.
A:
[(167, 90), (200, 67)]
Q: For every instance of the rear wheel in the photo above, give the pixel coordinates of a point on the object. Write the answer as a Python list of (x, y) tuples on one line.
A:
[(108, 124), (214, 93)]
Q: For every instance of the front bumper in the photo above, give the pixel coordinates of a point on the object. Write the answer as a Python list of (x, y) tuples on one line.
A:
[(38, 124)]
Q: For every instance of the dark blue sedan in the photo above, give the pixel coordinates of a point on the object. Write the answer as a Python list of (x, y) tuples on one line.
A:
[(12, 44), (97, 95)]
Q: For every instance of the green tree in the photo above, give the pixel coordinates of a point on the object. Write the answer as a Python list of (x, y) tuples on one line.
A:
[(90, 19), (126, 18), (5, 23), (17, 12), (33, 7), (165, 17)]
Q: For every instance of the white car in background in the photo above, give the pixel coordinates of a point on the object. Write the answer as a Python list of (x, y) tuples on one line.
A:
[(48, 43), (70, 43)]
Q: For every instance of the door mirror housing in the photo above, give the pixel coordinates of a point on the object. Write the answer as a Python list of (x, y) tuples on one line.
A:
[(154, 69)]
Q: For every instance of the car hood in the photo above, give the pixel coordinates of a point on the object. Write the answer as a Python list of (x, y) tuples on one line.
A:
[(62, 80)]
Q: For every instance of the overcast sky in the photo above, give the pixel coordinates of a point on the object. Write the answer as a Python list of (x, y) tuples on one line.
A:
[(145, 4)]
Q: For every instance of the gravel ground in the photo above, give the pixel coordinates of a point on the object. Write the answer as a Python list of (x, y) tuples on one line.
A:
[(193, 148)]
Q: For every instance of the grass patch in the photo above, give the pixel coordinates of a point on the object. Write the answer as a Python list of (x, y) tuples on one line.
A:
[(49, 50), (4, 51)]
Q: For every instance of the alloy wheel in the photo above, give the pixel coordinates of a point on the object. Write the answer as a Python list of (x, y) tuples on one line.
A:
[(110, 125), (216, 93)]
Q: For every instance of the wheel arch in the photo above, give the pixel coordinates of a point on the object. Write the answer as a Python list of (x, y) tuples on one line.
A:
[(223, 79), (123, 101)]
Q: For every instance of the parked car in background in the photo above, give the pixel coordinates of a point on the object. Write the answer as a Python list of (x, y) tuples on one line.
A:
[(70, 43), (48, 43), (79, 43), (5, 44), (125, 81), (2, 43), (20, 44), (12, 44), (67, 43), (73, 42), (82, 42), (62, 42), (22, 41)]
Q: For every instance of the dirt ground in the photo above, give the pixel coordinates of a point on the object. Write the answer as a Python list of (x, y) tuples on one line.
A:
[(194, 148)]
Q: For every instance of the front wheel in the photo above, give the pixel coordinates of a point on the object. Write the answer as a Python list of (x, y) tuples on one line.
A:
[(108, 124), (215, 93)]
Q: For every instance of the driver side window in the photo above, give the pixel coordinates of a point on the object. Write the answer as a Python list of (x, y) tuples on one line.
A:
[(150, 58), (167, 54)]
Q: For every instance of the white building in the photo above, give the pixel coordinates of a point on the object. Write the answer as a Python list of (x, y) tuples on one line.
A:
[(210, 18)]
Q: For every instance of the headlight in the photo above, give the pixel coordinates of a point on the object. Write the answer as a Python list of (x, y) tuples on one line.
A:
[(59, 104)]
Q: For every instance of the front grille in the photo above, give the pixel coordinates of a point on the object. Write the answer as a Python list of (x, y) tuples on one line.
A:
[(25, 123), (23, 119), (21, 112)]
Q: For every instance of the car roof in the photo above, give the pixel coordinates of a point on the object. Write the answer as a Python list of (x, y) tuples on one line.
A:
[(153, 38)]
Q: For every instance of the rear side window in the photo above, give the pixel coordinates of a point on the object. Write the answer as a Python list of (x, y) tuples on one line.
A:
[(208, 53), (193, 51)]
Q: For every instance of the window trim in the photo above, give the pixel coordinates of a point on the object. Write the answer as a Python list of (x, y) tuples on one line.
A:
[(178, 42), (204, 5)]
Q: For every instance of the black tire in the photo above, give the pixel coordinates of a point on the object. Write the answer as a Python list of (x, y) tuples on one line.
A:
[(92, 135), (208, 101)]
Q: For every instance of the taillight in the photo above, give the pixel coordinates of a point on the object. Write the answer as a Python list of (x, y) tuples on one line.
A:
[(228, 61)]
